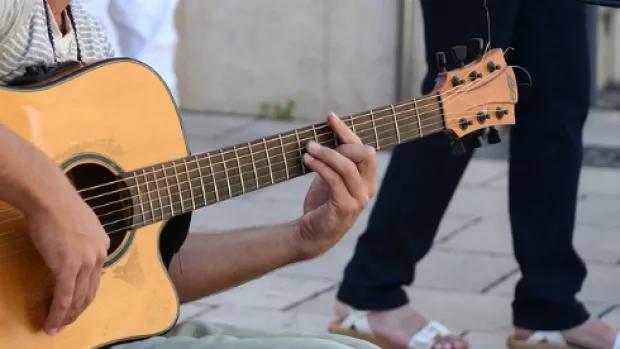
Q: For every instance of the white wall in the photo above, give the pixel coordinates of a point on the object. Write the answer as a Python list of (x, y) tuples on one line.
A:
[(325, 55)]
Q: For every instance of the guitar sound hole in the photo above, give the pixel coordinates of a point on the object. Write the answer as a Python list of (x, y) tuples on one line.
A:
[(108, 197)]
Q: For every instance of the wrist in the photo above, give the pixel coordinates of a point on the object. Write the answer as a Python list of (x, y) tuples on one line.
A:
[(304, 248)]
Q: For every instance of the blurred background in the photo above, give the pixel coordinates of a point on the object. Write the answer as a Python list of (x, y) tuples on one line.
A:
[(347, 55)]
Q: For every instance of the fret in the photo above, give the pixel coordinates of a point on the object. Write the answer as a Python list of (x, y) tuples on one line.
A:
[(433, 117), (417, 113), (268, 160), (163, 168), (301, 153), (148, 195), (316, 137), (176, 176), (217, 191), (226, 173), (396, 124), (284, 156), (352, 124), (158, 189), (254, 165), (189, 180), (240, 171), (374, 127), (202, 181), (135, 176)]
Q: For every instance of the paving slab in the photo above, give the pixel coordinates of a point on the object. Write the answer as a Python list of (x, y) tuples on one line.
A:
[(197, 124), (593, 180), (601, 210), (478, 201), (598, 244), (269, 320), (238, 213), (459, 271), (460, 311), (190, 310), (487, 339), (331, 264), (273, 291), (601, 285), (483, 171)]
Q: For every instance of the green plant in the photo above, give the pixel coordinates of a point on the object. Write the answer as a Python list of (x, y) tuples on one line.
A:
[(277, 111)]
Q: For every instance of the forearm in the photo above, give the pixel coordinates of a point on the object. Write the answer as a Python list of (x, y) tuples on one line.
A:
[(28, 179), (211, 263)]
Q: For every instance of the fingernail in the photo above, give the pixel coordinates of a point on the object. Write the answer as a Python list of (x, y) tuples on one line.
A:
[(52, 332), (309, 157), (314, 146)]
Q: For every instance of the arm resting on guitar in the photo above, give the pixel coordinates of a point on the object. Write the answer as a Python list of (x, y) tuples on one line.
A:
[(211, 263), (29, 180)]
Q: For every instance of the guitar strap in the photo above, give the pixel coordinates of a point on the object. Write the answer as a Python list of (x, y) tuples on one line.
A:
[(51, 36)]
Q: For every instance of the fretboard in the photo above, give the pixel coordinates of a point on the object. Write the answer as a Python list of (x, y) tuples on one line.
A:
[(169, 189)]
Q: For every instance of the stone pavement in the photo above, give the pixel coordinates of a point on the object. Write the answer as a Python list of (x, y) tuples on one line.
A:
[(466, 281)]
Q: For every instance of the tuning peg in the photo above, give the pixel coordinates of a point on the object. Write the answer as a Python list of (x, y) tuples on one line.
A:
[(475, 48), (457, 147), (441, 61), (493, 136), (460, 54), (477, 138)]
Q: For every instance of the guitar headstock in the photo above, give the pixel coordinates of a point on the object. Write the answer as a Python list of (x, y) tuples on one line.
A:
[(479, 95)]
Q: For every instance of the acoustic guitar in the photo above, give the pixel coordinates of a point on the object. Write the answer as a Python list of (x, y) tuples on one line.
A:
[(115, 131)]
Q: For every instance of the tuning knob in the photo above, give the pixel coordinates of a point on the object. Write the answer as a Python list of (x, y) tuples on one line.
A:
[(476, 141), (460, 54), (441, 61), (458, 148), (475, 48), (493, 136)]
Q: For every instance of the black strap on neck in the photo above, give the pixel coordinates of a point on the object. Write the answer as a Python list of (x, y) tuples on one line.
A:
[(51, 35)]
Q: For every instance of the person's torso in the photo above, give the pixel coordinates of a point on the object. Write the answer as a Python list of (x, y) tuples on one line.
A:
[(39, 41)]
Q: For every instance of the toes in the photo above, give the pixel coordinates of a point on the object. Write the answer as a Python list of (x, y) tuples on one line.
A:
[(451, 343)]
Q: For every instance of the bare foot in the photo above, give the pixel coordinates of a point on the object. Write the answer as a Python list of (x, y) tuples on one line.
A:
[(594, 334), (399, 325)]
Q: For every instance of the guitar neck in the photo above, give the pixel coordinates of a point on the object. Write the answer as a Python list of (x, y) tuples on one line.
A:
[(169, 189)]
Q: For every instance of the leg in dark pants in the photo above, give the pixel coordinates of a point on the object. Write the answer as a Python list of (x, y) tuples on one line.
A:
[(422, 175), (549, 38), (550, 42)]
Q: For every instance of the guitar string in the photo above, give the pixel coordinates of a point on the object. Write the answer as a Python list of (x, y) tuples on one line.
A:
[(226, 161), (190, 199), (223, 181), (124, 229), (366, 114), (219, 172)]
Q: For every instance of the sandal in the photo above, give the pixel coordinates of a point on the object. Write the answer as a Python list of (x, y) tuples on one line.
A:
[(356, 325), (547, 340)]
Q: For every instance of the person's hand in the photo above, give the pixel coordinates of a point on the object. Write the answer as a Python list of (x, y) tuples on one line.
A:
[(346, 182), (74, 245)]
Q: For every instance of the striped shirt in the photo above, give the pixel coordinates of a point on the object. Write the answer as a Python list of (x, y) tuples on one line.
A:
[(29, 44)]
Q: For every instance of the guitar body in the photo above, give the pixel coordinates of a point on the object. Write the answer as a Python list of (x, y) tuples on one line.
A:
[(94, 122)]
